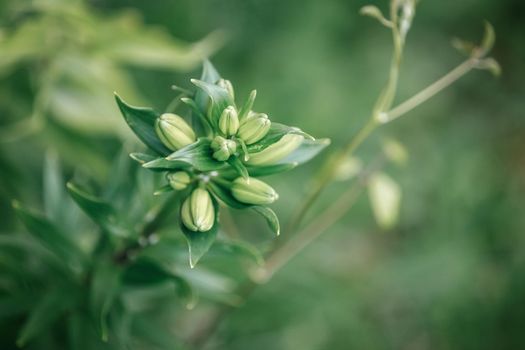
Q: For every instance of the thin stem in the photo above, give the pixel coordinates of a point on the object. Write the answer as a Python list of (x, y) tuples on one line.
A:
[(429, 91)]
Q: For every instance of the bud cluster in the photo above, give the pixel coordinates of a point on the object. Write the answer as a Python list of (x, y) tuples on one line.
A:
[(218, 161)]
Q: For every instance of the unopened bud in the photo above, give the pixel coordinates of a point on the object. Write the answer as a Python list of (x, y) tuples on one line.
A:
[(253, 191), (227, 85), (277, 151), (173, 131), (198, 213), (229, 121), (178, 180), (254, 128), (223, 148)]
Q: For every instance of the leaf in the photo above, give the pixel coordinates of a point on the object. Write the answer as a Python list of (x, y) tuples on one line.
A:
[(142, 158), (243, 248), (248, 105), (105, 286), (489, 37), (142, 121), (306, 151), (375, 12), (271, 218), (45, 313), (195, 110), (385, 198), (147, 272), (53, 187), (200, 242), (164, 189), (238, 166), (50, 236), (211, 76), (97, 209), (197, 155), (220, 99)]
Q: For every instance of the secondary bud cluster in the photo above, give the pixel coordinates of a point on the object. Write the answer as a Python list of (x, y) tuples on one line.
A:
[(223, 148)]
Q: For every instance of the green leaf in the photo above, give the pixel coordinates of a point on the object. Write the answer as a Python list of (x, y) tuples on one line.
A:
[(306, 151), (220, 99), (164, 189), (257, 171), (489, 37), (197, 155), (142, 158), (50, 236), (45, 313), (142, 121), (243, 248), (97, 209), (248, 105), (53, 187), (238, 166), (211, 76), (385, 198), (271, 218), (105, 286), (196, 111), (200, 242), (147, 272)]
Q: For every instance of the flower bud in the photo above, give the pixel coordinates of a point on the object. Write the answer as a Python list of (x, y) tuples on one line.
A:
[(227, 85), (223, 148), (254, 128), (178, 180), (253, 191), (173, 131), (229, 121), (198, 213), (277, 151)]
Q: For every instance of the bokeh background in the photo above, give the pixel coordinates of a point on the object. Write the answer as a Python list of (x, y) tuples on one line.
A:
[(449, 275)]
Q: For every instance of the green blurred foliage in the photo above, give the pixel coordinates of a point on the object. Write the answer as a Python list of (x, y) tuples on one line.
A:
[(449, 275)]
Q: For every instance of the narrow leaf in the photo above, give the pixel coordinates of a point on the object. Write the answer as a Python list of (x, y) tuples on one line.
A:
[(248, 105), (223, 194), (142, 158), (271, 218), (238, 166), (220, 99), (104, 288), (211, 76)]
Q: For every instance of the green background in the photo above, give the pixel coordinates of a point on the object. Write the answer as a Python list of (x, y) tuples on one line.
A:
[(450, 275)]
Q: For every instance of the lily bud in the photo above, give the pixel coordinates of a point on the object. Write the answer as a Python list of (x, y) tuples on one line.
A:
[(227, 85), (254, 128), (178, 180), (253, 191), (223, 148), (173, 131), (198, 213), (277, 151), (229, 121)]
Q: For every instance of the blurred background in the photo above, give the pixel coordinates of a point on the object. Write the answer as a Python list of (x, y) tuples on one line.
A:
[(449, 275)]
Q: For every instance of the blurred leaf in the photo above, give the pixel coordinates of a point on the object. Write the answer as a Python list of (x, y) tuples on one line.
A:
[(142, 121), (142, 158), (49, 236), (53, 187), (45, 313), (98, 210), (200, 242), (348, 168), (146, 271), (375, 12), (243, 248), (385, 197), (271, 218), (197, 155), (489, 37), (164, 189), (105, 285), (395, 151), (491, 65)]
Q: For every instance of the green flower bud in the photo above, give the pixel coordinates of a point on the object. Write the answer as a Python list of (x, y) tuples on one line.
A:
[(253, 191), (178, 180), (254, 128), (197, 212), (277, 151), (173, 131), (229, 121), (223, 148), (227, 85)]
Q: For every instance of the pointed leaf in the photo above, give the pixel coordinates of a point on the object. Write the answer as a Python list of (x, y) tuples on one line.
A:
[(271, 218), (248, 105), (220, 99), (306, 151), (142, 158), (243, 248), (142, 121), (209, 75), (53, 187), (223, 194), (197, 155), (104, 289)]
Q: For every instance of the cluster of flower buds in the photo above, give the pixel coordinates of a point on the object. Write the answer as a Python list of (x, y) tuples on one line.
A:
[(220, 164)]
